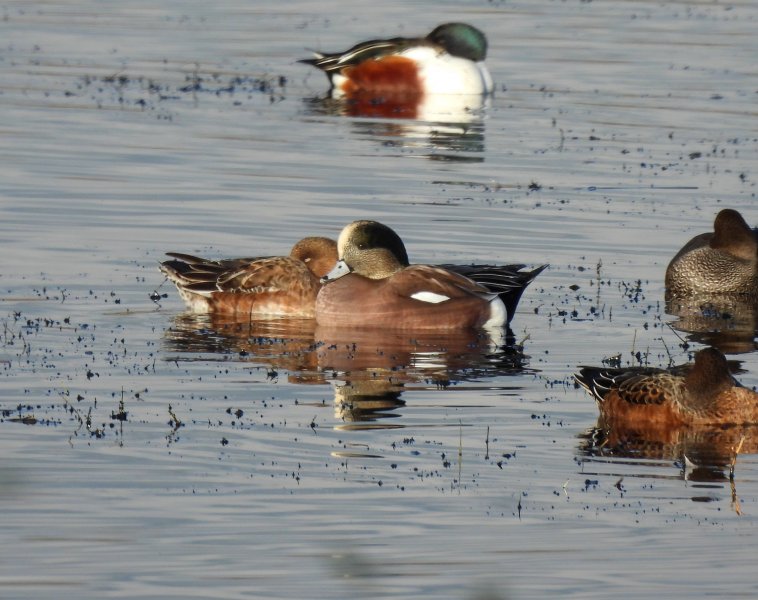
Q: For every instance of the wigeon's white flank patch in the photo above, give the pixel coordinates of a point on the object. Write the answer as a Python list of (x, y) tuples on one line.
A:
[(429, 297)]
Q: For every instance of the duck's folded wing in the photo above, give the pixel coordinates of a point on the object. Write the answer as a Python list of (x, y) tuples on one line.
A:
[(372, 49), (629, 383), (434, 284), (272, 274), (202, 275)]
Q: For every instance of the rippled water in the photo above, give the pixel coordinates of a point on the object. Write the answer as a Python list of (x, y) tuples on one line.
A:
[(149, 453)]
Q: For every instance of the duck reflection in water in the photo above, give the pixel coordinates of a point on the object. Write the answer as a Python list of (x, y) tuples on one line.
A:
[(286, 344), (728, 322), (368, 403), (441, 131), (370, 369), (701, 454)]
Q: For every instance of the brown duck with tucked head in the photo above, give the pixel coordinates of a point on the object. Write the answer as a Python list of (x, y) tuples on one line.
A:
[(722, 262), (704, 393), (264, 286)]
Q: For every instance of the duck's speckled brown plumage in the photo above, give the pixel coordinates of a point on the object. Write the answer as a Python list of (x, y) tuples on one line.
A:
[(722, 262), (704, 393), (275, 286)]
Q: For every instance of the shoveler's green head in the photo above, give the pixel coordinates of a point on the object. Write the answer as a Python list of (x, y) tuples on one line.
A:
[(460, 39)]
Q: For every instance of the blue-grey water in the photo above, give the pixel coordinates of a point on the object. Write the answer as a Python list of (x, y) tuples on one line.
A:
[(146, 453)]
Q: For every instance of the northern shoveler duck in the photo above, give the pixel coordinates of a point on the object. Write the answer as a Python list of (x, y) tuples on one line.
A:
[(274, 286), (722, 262), (374, 285), (450, 60), (704, 393)]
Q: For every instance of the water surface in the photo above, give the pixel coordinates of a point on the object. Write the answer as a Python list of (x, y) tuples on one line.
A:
[(148, 453)]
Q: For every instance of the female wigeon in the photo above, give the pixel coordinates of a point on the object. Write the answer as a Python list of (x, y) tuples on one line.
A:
[(373, 285), (704, 393), (273, 286), (450, 60), (722, 262)]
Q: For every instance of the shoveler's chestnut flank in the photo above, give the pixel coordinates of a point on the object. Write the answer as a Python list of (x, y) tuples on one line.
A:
[(450, 60), (722, 262), (704, 393), (276, 286), (373, 285)]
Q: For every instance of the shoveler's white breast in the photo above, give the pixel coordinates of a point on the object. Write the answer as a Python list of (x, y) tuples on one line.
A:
[(442, 73)]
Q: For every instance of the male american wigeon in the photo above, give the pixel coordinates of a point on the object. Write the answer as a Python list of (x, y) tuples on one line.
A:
[(704, 393), (373, 285), (273, 286), (450, 60), (722, 262)]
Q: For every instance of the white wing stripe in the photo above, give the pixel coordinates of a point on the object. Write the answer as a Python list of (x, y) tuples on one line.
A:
[(430, 297)]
